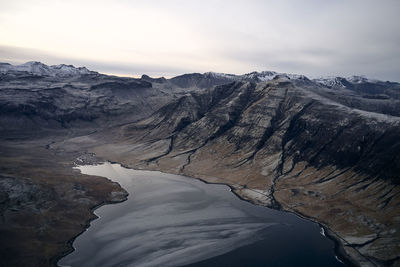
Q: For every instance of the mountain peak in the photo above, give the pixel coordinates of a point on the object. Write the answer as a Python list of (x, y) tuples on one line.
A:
[(40, 69), (33, 63), (341, 82), (255, 76), (147, 78)]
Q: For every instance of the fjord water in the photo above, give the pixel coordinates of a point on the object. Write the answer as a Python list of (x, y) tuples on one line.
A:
[(171, 220)]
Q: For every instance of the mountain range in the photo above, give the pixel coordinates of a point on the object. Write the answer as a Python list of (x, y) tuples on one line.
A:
[(327, 149)]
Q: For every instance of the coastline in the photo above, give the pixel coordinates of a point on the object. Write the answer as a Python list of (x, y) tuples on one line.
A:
[(54, 261), (338, 246), (339, 251)]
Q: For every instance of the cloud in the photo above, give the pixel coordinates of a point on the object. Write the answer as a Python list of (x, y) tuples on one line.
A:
[(19, 55), (170, 38)]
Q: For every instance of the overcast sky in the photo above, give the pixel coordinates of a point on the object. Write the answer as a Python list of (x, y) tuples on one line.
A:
[(167, 38)]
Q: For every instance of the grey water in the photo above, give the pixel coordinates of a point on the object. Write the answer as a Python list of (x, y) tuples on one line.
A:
[(172, 220)]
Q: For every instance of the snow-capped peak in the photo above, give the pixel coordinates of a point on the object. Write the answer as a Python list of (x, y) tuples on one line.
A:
[(340, 82), (267, 75), (262, 76), (222, 75), (70, 69), (257, 76), (331, 81), (38, 68), (33, 67)]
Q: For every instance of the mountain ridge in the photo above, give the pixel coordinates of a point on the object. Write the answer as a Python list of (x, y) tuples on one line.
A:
[(327, 152), (36, 67)]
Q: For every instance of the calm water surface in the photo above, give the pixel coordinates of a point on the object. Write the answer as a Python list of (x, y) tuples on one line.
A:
[(171, 220)]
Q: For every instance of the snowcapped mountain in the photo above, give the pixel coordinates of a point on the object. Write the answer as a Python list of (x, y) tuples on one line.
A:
[(62, 70), (341, 82), (252, 76), (40, 69), (367, 88), (263, 76), (332, 81)]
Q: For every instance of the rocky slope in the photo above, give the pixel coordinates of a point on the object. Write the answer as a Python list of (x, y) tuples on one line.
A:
[(281, 144), (44, 202), (327, 149)]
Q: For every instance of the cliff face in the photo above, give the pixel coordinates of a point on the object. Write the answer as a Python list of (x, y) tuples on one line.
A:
[(325, 149)]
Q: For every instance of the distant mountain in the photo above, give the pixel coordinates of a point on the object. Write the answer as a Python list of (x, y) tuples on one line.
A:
[(37, 68), (253, 76)]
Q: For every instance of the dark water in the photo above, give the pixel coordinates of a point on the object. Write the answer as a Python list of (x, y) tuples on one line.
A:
[(171, 220)]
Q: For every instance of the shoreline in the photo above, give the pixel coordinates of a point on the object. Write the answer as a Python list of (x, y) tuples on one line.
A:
[(339, 251), (338, 247), (92, 209)]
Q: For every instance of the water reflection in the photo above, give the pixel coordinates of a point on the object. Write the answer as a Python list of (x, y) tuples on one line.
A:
[(170, 220)]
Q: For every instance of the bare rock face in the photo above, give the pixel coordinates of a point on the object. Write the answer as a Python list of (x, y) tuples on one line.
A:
[(327, 149)]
